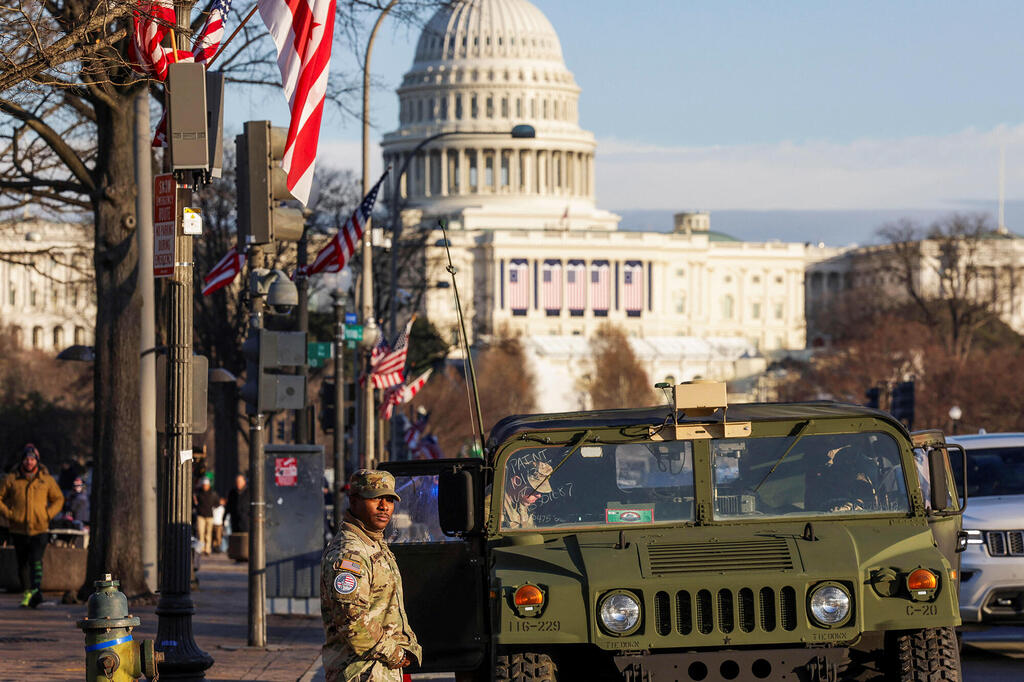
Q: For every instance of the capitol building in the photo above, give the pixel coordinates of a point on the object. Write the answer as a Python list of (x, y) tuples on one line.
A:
[(534, 253)]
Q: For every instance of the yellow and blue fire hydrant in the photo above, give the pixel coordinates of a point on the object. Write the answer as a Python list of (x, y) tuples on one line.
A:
[(110, 651)]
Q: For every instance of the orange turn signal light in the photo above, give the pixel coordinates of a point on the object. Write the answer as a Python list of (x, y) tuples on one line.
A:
[(528, 595), (922, 579)]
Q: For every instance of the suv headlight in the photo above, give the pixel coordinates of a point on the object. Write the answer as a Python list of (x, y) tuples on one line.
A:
[(620, 612), (829, 603)]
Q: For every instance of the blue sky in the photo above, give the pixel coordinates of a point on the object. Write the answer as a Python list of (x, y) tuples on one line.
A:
[(768, 107)]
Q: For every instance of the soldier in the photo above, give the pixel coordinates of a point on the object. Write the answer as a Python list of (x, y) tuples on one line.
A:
[(516, 505), (367, 634)]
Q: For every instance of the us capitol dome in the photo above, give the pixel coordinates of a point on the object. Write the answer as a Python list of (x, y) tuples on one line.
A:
[(482, 67)]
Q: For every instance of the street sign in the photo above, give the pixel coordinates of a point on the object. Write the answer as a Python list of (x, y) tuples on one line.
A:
[(350, 318), (354, 332), (164, 214), (319, 352), (351, 345)]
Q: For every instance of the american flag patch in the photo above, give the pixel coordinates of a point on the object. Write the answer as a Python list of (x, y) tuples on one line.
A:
[(353, 566)]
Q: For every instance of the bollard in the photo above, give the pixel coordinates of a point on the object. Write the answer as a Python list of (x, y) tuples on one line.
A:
[(110, 652)]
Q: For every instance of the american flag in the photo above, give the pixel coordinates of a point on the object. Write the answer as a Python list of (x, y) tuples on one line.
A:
[(224, 272), (303, 32), (519, 284), (600, 286), (399, 395), (633, 287), (207, 41), (414, 431), (551, 286), (336, 253), (389, 369), (576, 285)]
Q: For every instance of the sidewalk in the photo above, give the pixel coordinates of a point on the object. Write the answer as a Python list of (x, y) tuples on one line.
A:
[(45, 644)]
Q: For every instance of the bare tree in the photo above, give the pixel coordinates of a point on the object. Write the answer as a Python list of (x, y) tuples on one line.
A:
[(616, 377)]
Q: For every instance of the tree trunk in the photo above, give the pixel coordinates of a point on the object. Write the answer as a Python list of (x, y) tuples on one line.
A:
[(114, 547)]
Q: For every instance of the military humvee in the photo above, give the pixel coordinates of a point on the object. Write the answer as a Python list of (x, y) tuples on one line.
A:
[(696, 541)]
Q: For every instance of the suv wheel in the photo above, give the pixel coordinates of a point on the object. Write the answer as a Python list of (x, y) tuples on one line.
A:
[(526, 667), (930, 655)]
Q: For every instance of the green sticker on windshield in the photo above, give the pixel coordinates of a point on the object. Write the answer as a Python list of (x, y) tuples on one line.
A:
[(636, 515)]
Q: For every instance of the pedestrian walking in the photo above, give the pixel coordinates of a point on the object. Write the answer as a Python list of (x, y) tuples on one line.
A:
[(366, 630), (237, 508), (76, 505), (29, 498), (205, 499), (218, 525)]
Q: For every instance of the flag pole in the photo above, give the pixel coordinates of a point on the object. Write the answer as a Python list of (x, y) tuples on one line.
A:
[(232, 36)]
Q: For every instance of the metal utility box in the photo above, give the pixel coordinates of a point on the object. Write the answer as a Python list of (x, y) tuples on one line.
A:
[(186, 116), (294, 530)]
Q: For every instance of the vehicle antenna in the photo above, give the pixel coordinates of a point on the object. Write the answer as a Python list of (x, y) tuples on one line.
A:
[(468, 358)]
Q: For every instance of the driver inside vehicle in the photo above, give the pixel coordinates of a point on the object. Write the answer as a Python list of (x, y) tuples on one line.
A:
[(525, 490), (843, 480)]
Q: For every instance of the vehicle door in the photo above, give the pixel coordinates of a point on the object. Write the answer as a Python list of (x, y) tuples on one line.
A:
[(943, 501), (443, 573)]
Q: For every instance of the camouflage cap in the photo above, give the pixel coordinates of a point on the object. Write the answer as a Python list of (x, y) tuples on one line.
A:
[(371, 483), (538, 478)]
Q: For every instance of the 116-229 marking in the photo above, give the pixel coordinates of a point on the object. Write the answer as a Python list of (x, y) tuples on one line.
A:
[(534, 626)]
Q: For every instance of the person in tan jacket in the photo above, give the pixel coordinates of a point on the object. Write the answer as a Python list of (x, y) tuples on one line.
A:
[(29, 498)]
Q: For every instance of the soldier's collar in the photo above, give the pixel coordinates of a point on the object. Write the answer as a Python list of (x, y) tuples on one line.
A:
[(373, 534)]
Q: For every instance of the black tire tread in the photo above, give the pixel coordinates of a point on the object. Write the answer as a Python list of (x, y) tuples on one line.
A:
[(526, 667), (929, 655)]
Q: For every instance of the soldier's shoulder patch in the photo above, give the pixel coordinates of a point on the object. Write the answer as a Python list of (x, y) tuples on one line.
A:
[(349, 565), (345, 583)]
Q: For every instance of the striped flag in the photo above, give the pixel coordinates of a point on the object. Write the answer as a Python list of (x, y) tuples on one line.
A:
[(224, 272), (519, 285), (303, 31), (576, 286), (389, 369), (600, 286), (151, 22), (208, 39), (633, 287), (399, 395), (551, 286), (415, 430), (336, 253)]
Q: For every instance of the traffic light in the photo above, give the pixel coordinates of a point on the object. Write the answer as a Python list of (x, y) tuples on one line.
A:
[(873, 395), (903, 403), (262, 186), (267, 354), (327, 405)]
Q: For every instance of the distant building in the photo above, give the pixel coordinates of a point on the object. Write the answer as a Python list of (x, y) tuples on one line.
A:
[(533, 252), (995, 261), (47, 285)]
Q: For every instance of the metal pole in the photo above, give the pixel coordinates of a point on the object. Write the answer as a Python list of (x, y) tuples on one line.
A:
[(369, 320), (257, 483), (183, 659), (302, 429), (339, 405), (147, 340)]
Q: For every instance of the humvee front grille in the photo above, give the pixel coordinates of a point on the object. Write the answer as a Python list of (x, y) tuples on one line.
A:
[(724, 611), (762, 554), (1005, 542)]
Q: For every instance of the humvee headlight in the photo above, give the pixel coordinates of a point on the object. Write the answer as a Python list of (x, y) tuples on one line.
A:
[(620, 613), (830, 604)]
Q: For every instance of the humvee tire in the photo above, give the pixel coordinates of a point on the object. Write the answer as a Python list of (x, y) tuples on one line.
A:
[(526, 667), (928, 655)]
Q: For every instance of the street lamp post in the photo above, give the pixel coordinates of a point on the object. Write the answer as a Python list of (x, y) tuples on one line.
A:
[(339, 407), (518, 132), (955, 414), (370, 331)]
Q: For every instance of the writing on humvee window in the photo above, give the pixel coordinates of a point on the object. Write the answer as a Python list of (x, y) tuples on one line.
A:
[(847, 473), (598, 484)]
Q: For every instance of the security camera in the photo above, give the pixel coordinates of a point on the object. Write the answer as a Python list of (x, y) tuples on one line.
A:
[(282, 295)]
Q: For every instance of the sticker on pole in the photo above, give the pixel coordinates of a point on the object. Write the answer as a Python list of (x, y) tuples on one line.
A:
[(286, 472), (191, 221), (164, 214)]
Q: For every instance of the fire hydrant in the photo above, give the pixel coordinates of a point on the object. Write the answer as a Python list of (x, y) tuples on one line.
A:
[(110, 652)]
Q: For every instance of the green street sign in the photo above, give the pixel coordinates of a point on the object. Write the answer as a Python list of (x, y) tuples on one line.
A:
[(350, 344), (319, 352), (354, 332)]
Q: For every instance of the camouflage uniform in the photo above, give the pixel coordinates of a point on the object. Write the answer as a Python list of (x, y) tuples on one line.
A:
[(366, 629)]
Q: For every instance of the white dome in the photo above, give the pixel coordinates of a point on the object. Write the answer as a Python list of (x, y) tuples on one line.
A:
[(500, 29)]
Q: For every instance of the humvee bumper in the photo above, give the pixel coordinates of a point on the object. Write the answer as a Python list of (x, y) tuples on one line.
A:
[(743, 664)]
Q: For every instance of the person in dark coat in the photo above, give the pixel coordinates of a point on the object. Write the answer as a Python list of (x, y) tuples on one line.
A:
[(76, 504), (237, 508), (206, 498)]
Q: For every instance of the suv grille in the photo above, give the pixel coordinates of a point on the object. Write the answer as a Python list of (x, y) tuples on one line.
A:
[(725, 611), (766, 554), (1005, 542)]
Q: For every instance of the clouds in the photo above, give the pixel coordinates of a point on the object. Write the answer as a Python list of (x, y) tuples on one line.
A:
[(926, 171)]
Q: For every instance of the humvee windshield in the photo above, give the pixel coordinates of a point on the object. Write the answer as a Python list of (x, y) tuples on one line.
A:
[(809, 475), (598, 484), (654, 482)]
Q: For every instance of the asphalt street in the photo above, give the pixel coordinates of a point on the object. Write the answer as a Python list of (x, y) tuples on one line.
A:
[(996, 654)]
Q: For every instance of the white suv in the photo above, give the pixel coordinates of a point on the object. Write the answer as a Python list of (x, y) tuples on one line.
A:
[(992, 567)]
